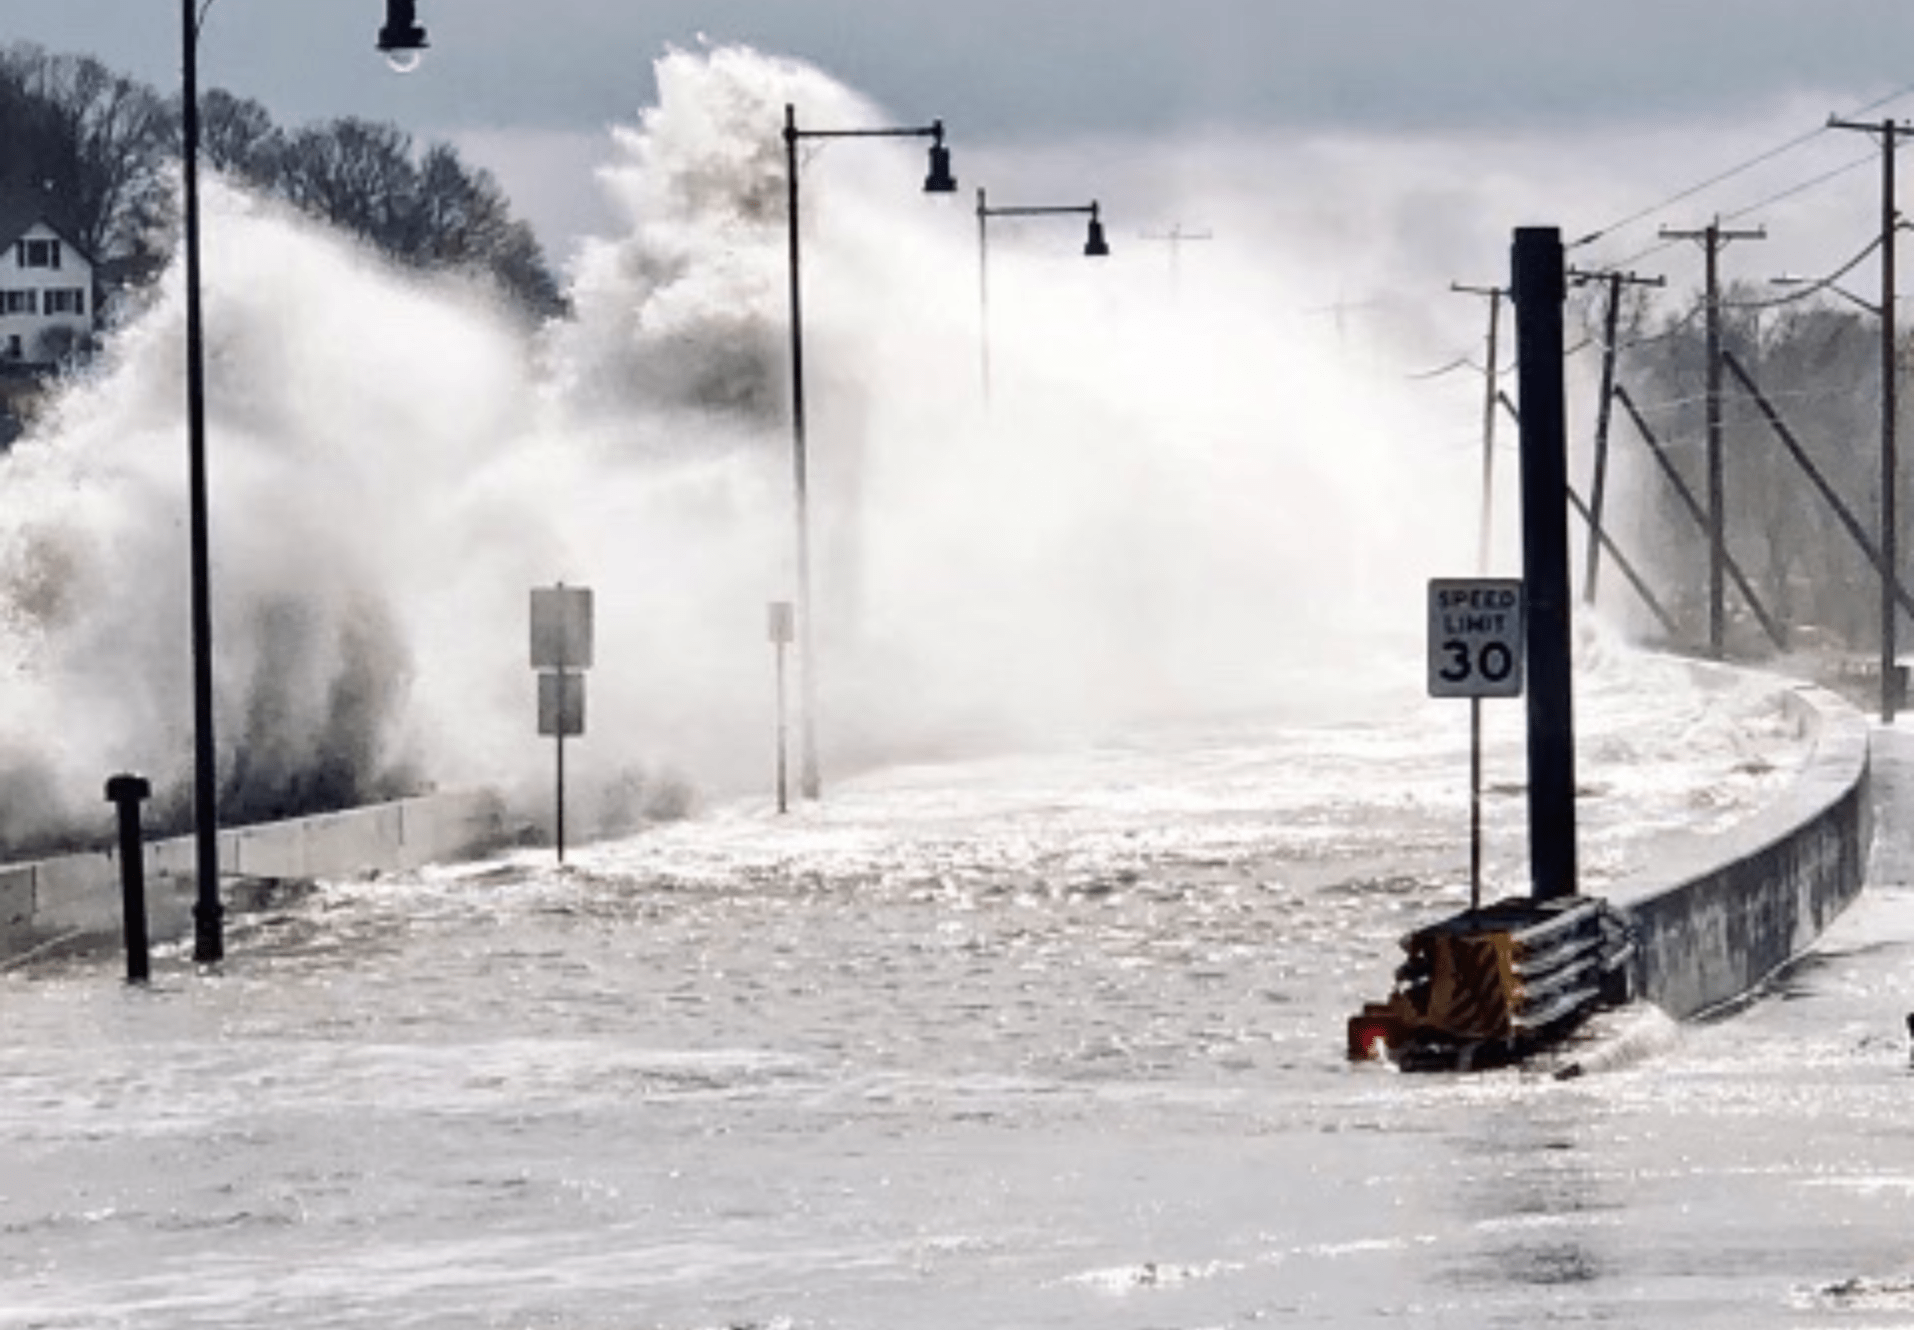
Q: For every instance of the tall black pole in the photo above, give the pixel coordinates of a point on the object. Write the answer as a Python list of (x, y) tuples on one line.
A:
[(802, 557), (207, 910), (1539, 294), (939, 181)]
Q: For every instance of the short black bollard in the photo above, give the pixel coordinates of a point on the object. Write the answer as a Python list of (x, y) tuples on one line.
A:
[(126, 792)]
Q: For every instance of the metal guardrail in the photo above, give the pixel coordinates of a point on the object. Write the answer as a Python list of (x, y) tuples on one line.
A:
[(1489, 985)]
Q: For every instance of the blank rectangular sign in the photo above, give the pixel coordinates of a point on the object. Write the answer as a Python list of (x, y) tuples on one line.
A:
[(562, 619), (563, 704)]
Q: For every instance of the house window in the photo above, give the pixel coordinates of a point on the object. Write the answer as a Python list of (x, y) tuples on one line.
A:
[(13, 347), (66, 300), (37, 253), (18, 302)]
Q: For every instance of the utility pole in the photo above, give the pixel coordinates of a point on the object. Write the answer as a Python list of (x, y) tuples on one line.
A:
[(1889, 133), (1494, 295), (1712, 237), (1339, 310), (1174, 238), (1597, 496)]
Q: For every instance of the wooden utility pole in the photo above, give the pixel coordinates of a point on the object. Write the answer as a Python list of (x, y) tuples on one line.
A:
[(1175, 237), (1474, 772), (1489, 410), (1597, 496), (1889, 133), (1712, 238)]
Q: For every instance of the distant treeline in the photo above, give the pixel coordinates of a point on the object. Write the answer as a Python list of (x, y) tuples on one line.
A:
[(98, 145), (1818, 364)]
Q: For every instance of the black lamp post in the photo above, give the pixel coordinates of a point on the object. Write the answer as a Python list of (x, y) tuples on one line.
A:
[(401, 35), (1095, 248), (939, 181)]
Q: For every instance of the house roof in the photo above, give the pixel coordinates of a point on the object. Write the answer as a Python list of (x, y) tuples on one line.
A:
[(21, 207)]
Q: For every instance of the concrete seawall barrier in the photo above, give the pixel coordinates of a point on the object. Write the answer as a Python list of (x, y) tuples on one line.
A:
[(1726, 911), (1720, 914), (78, 895)]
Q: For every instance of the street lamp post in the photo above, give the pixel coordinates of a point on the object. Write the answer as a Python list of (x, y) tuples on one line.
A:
[(207, 910), (1095, 248), (400, 35), (939, 181)]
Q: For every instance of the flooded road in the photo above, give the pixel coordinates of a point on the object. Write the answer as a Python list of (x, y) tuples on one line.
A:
[(1050, 1040)]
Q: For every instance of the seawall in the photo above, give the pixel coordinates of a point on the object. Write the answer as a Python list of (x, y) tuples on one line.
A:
[(1724, 912), (1719, 916), (77, 896)]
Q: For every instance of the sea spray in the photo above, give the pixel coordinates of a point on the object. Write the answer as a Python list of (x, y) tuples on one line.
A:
[(1137, 524)]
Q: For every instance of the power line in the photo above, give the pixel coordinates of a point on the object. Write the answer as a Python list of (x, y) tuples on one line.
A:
[(1817, 286), (1668, 241), (1728, 174), (1806, 185), (1458, 362)]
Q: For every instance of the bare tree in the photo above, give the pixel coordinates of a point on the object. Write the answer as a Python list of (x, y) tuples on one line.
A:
[(238, 137), (96, 145), (434, 213), (1819, 367), (93, 140)]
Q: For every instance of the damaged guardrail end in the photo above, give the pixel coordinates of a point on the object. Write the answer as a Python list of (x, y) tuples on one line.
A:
[(1487, 987)]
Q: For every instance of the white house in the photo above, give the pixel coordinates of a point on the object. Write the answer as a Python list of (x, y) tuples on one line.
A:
[(46, 291)]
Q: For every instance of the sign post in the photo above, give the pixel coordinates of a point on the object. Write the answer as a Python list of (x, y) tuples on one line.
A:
[(1475, 649), (561, 645), (780, 633)]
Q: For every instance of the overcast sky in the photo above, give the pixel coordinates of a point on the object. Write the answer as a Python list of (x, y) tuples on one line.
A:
[(1006, 68), (529, 87)]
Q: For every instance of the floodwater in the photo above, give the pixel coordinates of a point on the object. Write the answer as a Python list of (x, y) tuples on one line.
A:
[(1052, 1039)]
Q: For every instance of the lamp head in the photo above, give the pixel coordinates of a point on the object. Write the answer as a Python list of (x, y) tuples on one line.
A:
[(939, 164), (402, 40), (1096, 236)]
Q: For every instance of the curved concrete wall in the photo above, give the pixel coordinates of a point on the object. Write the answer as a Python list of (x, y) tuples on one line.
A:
[(1723, 913), (1727, 911)]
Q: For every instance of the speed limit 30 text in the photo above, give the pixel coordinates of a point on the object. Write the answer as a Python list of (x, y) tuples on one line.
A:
[(1476, 611)]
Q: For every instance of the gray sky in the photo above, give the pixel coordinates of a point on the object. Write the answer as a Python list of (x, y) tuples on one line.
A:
[(529, 87), (1010, 68)]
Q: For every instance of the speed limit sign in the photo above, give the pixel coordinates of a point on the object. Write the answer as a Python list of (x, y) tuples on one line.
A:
[(1474, 640)]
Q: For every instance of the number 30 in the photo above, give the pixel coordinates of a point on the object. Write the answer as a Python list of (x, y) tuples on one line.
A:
[(1495, 661)]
